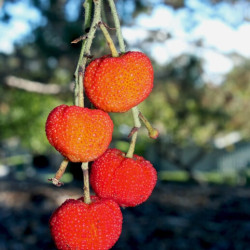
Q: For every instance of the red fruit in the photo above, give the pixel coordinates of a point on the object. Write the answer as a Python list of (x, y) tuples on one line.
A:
[(127, 181), (77, 225), (117, 84), (79, 134)]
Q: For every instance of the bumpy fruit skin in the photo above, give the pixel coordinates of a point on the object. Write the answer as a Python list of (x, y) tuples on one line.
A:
[(79, 134), (127, 181), (116, 84), (94, 226)]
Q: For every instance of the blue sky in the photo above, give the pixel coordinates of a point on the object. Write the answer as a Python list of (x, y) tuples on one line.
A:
[(19, 26), (221, 31)]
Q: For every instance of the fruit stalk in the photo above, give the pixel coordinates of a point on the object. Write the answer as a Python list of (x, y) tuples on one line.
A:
[(117, 26), (81, 94), (109, 40), (137, 125), (86, 192)]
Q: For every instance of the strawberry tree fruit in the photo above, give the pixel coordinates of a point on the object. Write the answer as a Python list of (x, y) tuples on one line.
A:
[(79, 134), (77, 225), (117, 84), (128, 181)]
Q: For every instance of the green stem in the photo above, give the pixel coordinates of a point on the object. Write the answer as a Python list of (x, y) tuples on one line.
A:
[(86, 192), (117, 26), (93, 27), (87, 15), (137, 125), (103, 14), (87, 22), (109, 40), (85, 51), (77, 80)]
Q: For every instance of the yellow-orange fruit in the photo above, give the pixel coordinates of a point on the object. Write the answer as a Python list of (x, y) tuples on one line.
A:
[(79, 134), (117, 84)]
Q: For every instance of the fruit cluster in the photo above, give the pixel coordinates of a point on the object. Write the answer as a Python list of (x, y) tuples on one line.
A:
[(82, 135), (113, 83)]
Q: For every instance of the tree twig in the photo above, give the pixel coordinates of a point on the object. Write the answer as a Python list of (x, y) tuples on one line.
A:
[(36, 87)]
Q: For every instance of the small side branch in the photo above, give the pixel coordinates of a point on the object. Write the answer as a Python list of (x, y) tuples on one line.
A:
[(77, 40), (56, 179), (152, 132)]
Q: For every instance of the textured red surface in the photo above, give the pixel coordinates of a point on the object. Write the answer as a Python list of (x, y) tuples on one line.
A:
[(116, 84), (127, 181), (95, 226), (79, 134)]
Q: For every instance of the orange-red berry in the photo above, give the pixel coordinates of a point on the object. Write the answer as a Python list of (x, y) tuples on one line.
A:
[(116, 84), (128, 181), (79, 134), (94, 226)]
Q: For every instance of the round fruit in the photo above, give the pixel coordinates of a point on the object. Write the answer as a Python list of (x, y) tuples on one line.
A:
[(117, 84), (127, 181), (79, 134), (77, 225)]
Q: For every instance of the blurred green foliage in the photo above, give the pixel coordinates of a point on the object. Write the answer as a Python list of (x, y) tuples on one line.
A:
[(23, 115)]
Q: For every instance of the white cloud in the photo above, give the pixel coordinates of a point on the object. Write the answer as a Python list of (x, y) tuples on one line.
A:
[(134, 35), (216, 66), (160, 53), (23, 11), (216, 34), (243, 40), (216, 63), (224, 38), (6, 46), (165, 52), (161, 17)]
